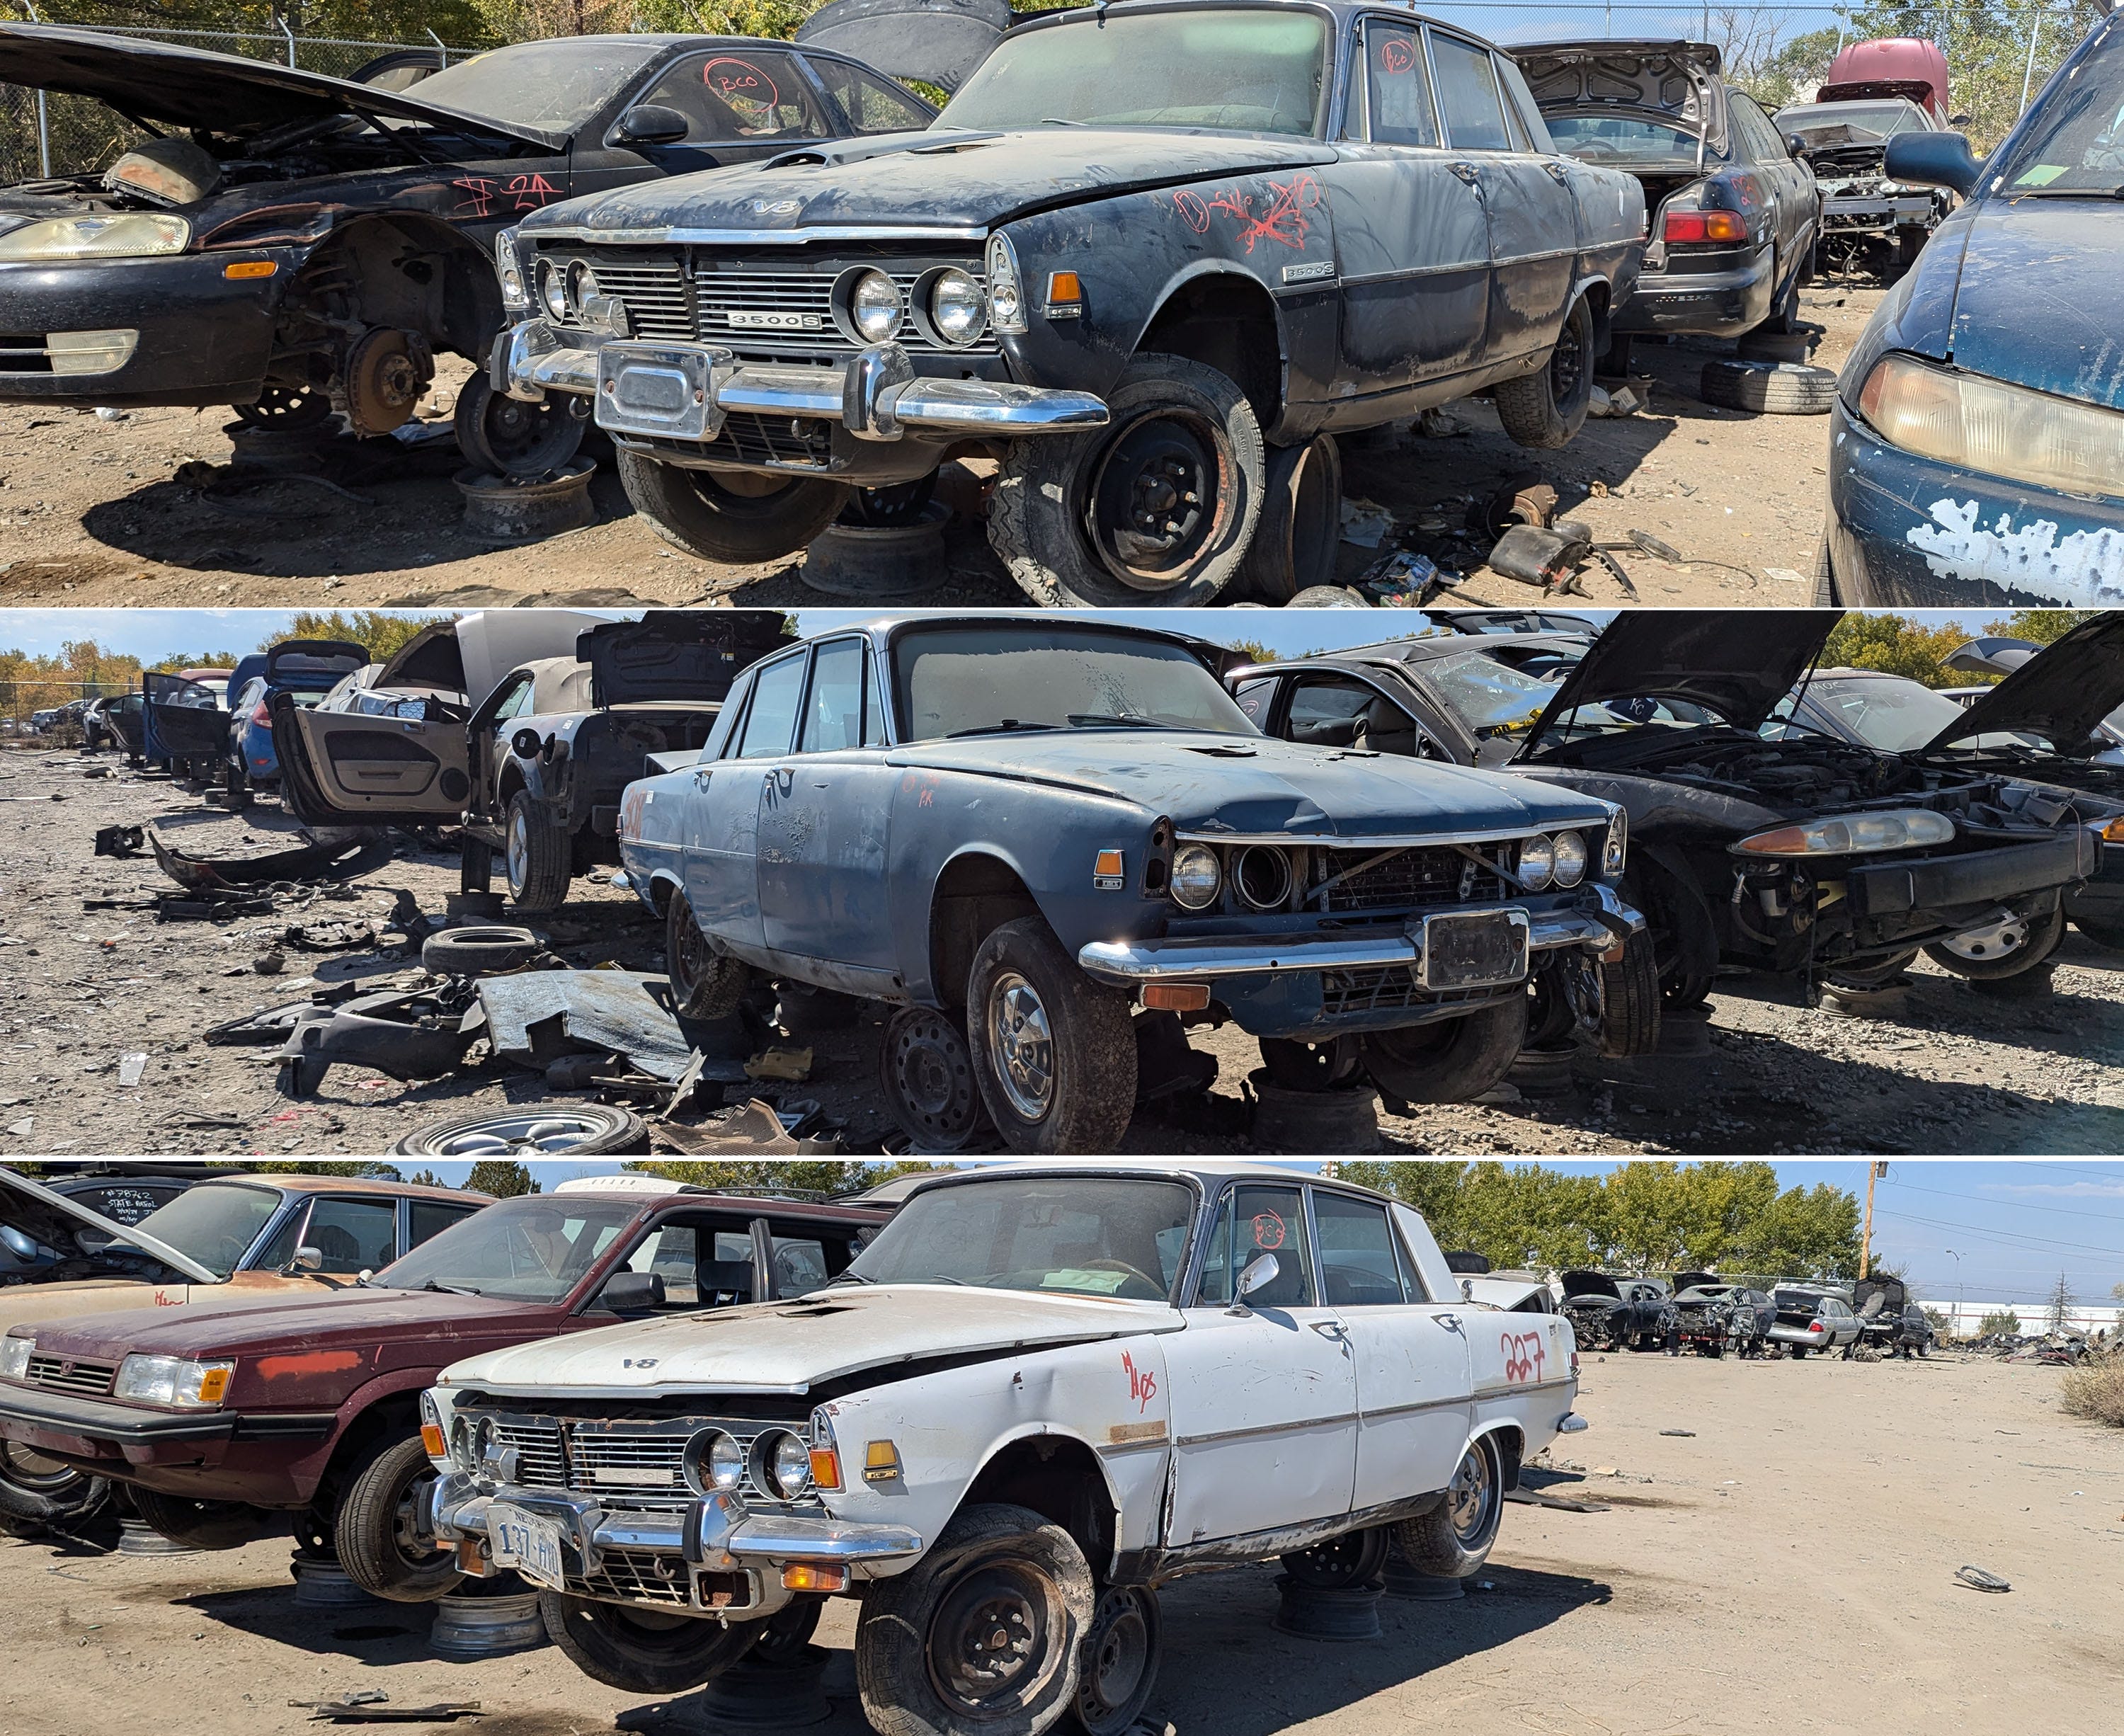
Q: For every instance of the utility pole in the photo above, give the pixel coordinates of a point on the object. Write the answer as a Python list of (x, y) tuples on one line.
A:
[(1874, 1172), (1958, 1292)]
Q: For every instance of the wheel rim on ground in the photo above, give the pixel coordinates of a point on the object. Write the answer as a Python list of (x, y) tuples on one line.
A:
[(1152, 505), (1470, 1496), (530, 1130), (1350, 1559), (989, 1651), (285, 407), (1118, 1653), (28, 1468), (1023, 1045), (929, 1072)]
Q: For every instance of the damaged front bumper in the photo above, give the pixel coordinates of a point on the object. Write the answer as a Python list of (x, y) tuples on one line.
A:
[(842, 419)]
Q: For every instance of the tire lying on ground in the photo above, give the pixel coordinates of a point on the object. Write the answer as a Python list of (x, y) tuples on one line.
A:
[(1772, 389), (581, 1129), (38, 1491), (642, 1651), (204, 1524), (479, 952)]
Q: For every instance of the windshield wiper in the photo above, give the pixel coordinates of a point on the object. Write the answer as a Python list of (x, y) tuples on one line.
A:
[(1051, 120), (851, 1277), (1005, 727), (1079, 719), (2117, 192), (452, 1289)]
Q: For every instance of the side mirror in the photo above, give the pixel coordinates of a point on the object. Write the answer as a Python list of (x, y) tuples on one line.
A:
[(1933, 160), (649, 123), (633, 1292), (1957, 120), (1795, 146), (1260, 1271), (525, 743), (307, 1259)]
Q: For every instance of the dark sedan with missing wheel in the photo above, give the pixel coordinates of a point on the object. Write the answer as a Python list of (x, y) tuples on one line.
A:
[(1976, 450)]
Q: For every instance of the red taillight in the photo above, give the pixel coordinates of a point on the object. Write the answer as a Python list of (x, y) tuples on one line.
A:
[(1685, 226), (262, 714)]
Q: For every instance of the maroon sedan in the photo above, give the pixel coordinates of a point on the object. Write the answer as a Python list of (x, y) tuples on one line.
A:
[(222, 1419)]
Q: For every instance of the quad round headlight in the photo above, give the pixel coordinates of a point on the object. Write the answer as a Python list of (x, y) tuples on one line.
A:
[(874, 306), (553, 289), (582, 285), (712, 1461), (1196, 877), (1570, 859), (956, 306), (1537, 862), (782, 1464)]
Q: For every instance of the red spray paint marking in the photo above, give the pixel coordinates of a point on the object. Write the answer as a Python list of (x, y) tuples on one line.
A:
[(1283, 221), (1143, 1384), (1523, 1355)]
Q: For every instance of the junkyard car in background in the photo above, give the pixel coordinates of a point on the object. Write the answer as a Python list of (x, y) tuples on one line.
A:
[(1976, 453), (305, 670), (1734, 218), (1888, 1320), (114, 722), (1017, 1414), (1611, 1311), (222, 1422), (538, 769), (247, 1240), (1813, 1320), (1716, 1316), (287, 242), (184, 720), (1152, 257), (1865, 216), (1022, 830)]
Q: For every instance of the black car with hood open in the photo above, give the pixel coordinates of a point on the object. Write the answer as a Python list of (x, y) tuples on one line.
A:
[(288, 243), (1608, 1312)]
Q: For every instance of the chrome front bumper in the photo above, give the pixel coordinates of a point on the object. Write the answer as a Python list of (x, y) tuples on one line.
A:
[(684, 392), (1126, 962)]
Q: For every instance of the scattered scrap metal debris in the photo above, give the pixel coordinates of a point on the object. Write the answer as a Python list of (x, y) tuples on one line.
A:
[(534, 1018), (1978, 1579), (372, 1705), (120, 840), (334, 855)]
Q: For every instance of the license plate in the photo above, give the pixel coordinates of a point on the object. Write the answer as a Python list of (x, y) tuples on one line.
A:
[(664, 390), (1480, 950), (530, 1544)]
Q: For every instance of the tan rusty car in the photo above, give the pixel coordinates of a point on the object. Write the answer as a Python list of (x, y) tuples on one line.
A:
[(230, 1241)]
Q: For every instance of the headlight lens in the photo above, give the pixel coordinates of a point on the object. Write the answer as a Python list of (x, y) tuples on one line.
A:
[(956, 307), (713, 1460), (1985, 425), (1006, 299), (15, 1357), (1852, 834), (1536, 862), (1570, 859), (875, 306), (126, 235), (552, 289), (178, 1381), (1616, 851), (785, 1465), (1196, 877), (509, 267), (582, 285)]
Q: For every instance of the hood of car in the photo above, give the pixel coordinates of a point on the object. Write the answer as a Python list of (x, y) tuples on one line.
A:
[(227, 94), (306, 666), (791, 1347), (2061, 693), (1579, 1286), (70, 1229), (1257, 786), (1738, 663), (681, 654), (2064, 252), (922, 180), (936, 41)]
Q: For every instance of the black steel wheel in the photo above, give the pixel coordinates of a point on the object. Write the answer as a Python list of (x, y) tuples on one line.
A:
[(926, 1069), (1356, 1558), (1120, 1665), (285, 408), (509, 437)]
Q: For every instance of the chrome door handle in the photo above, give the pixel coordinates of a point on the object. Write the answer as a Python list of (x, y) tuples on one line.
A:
[(1465, 171), (1327, 1328), (1450, 1322), (1556, 173)]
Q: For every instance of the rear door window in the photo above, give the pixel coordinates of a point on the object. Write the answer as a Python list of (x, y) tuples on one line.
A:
[(771, 720), (430, 1217), (1468, 94), (1360, 1259), (1397, 87)]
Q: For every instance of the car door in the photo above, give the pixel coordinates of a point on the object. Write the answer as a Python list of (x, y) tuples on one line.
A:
[(824, 815), (1411, 243), (338, 768), (1263, 1394), (184, 720), (1410, 1352), (738, 104), (720, 869)]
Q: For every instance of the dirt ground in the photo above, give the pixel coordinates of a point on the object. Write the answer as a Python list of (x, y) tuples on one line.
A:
[(1787, 1567), (1951, 1070), (136, 511)]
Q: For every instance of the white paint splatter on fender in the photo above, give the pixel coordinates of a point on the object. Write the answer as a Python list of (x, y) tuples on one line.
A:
[(2084, 567)]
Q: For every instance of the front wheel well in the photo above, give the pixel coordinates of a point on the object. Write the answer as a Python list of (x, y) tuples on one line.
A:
[(1058, 1476), (1228, 322), (975, 896), (393, 1417)]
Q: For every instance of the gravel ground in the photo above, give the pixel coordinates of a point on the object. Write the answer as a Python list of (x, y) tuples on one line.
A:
[(1785, 1567), (113, 512), (1950, 1070)]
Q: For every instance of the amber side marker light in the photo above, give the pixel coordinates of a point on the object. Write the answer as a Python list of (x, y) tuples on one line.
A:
[(214, 1386), (432, 1442), (1176, 997), (2113, 833), (243, 268), (880, 1462), (826, 1468), (1065, 295), (814, 1576)]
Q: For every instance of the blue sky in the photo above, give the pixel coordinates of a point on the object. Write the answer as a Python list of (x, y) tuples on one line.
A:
[(2016, 1223)]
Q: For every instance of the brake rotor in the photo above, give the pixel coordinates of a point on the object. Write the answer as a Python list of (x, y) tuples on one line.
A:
[(385, 374)]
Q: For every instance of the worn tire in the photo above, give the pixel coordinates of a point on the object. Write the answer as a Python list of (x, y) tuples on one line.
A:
[(705, 984), (214, 1525), (2032, 984), (41, 1491), (991, 1548), (537, 862), (2107, 935), (641, 1651), (1545, 409), (1300, 533), (507, 436), (1783, 317), (1038, 515), (1355, 1558), (1452, 1061), (1768, 388), (1088, 1056), (709, 514), (373, 1531), (479, 952), (1119, 1668), (1630, 1000), (1454, 1540), (612, 1131), (2044, 938), (784, 1634)]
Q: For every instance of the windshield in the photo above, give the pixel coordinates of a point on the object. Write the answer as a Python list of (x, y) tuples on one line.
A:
[(2075, 136), (1888, 713), (1596, 136), (1088, 1236), (214, 1223), (553, 86), (955, 681), (1880, 118), (1237, 72), (1489, 697), (533, 1250)]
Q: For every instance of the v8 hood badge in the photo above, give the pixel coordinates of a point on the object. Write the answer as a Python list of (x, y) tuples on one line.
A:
[(777, 207)]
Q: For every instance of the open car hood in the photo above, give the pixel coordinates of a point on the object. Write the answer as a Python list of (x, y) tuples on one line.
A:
[(936, 41), (228, 94), (57, 1221), (2061, 693), (312, 664), (1738, 663), (1676, 80), (1577, 1284), (683, 654), (1919, 91)]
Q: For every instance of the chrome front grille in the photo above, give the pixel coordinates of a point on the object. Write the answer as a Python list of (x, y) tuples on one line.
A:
[(1441, 875), (627, 1462), (657, 300), (641, 1576), (800, 305), (66, 1374), (539, 1447)]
